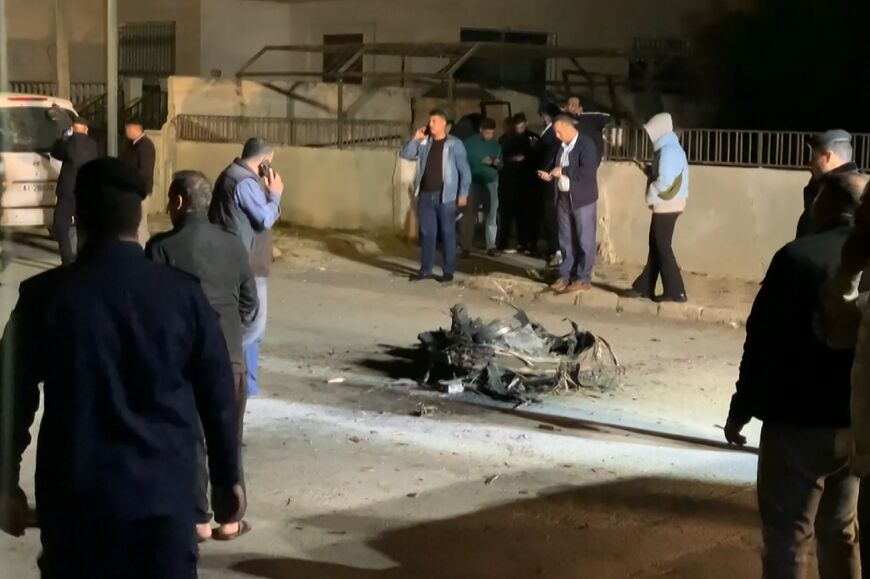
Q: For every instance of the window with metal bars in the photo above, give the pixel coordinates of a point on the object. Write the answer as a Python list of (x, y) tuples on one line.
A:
[(147, 49)]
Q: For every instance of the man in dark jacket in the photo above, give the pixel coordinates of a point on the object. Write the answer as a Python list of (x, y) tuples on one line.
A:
[(247, 202), (575, 172), (800, 388), (141, 155), (219, 261), (547, 147), (831, 158), (135, 369), (591, 124), (74, 149), (520, 200)]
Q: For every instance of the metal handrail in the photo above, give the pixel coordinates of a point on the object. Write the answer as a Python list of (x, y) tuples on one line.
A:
[(731, 148), (293, 131)]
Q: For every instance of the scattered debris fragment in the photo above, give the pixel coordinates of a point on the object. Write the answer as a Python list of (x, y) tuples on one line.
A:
[(413, 495), (491, 479), (516, 359), (548, 427), (336, 381), (423, 411), (355, 439)]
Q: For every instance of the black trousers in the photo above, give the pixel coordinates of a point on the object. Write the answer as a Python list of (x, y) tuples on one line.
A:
[(203, 513), (549, 217), (661, 260), (508, 215), (85, 546), (531, 209), (63, 230)]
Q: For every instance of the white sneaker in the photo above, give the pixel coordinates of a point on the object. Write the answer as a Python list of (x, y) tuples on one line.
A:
[(556, 260)]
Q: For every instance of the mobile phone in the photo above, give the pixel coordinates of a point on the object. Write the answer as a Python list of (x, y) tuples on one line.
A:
[(265, 169), (427, 131)]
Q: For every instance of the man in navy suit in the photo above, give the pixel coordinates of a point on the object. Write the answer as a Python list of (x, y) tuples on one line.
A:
[(574, 169), (135, 370)]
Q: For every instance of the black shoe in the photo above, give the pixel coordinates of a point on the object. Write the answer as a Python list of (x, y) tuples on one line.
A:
[(419, 277), (466, 253), (493, 252), (633, 294), (680, 299), (447, 278)]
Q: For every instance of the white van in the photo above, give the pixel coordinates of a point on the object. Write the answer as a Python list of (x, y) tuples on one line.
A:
[(28, 174)]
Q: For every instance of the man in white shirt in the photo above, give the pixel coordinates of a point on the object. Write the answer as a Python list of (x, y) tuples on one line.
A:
[(574, 168)]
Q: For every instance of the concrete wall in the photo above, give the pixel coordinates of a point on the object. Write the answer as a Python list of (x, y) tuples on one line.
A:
[(31, 26), (736, 218), (585, 23), (232, 31), (327, 188), (223, 97)]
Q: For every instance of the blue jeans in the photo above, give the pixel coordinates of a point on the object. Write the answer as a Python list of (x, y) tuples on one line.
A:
[(437, 220), (577, 238), (482, 195), (252, 336)]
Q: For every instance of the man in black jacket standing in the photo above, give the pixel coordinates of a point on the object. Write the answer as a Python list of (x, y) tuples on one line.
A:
[(831, 158), (74, 149), (135, 370), (220, 262), (800, 388), (141, 155), (547, 147)]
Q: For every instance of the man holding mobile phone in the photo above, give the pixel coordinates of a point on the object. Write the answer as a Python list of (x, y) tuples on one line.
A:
[(442, 184), (247, 202)]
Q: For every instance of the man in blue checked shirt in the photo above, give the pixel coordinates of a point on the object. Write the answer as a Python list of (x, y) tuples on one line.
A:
[(247, 202)]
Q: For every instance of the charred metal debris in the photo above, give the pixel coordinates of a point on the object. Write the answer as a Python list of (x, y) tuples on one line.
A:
[(516, 359)]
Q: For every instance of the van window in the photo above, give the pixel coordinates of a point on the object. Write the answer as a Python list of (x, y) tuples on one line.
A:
[(27, 130)]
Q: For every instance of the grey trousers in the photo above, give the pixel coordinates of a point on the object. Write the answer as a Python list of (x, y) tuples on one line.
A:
[(807, 494)]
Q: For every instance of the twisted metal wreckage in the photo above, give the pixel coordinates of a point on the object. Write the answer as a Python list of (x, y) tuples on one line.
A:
[(516, 359)]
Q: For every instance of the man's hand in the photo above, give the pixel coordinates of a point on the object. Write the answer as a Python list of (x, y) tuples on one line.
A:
[(14, 513), (518, 158), (556, 173), (462, 201), (487, 161), (733, 433), (544, 176), (229, 504), (420, 135), (275, 185)]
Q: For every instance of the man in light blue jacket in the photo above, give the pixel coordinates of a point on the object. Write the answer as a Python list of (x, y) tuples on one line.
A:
[(666, 196), (442, 183)]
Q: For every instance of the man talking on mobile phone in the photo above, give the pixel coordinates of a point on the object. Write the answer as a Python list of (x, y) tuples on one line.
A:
[(247, 202), (442, 184)]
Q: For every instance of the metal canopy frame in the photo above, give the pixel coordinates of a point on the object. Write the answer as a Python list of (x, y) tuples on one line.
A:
[(456, 54)]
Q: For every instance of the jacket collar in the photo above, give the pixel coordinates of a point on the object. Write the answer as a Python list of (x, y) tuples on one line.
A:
[(850, 167), (192, 218), (110, 250), (241, 164)]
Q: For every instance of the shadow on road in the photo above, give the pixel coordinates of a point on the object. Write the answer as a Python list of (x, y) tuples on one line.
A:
[(643, 527)]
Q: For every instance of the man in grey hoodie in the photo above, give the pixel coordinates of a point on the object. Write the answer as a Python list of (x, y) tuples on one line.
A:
[(666, 196)]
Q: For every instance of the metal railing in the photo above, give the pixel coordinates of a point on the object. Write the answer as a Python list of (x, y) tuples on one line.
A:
[(733, 148), (293, 131), (80, 92)]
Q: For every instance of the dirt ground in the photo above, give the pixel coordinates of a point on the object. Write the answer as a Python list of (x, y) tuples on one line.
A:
[(345, 483)]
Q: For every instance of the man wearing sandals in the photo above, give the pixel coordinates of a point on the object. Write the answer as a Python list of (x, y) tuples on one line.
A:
[(135, 371), (219, 260)]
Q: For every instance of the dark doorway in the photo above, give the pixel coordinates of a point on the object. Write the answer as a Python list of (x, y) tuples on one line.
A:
[(333, 61)]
